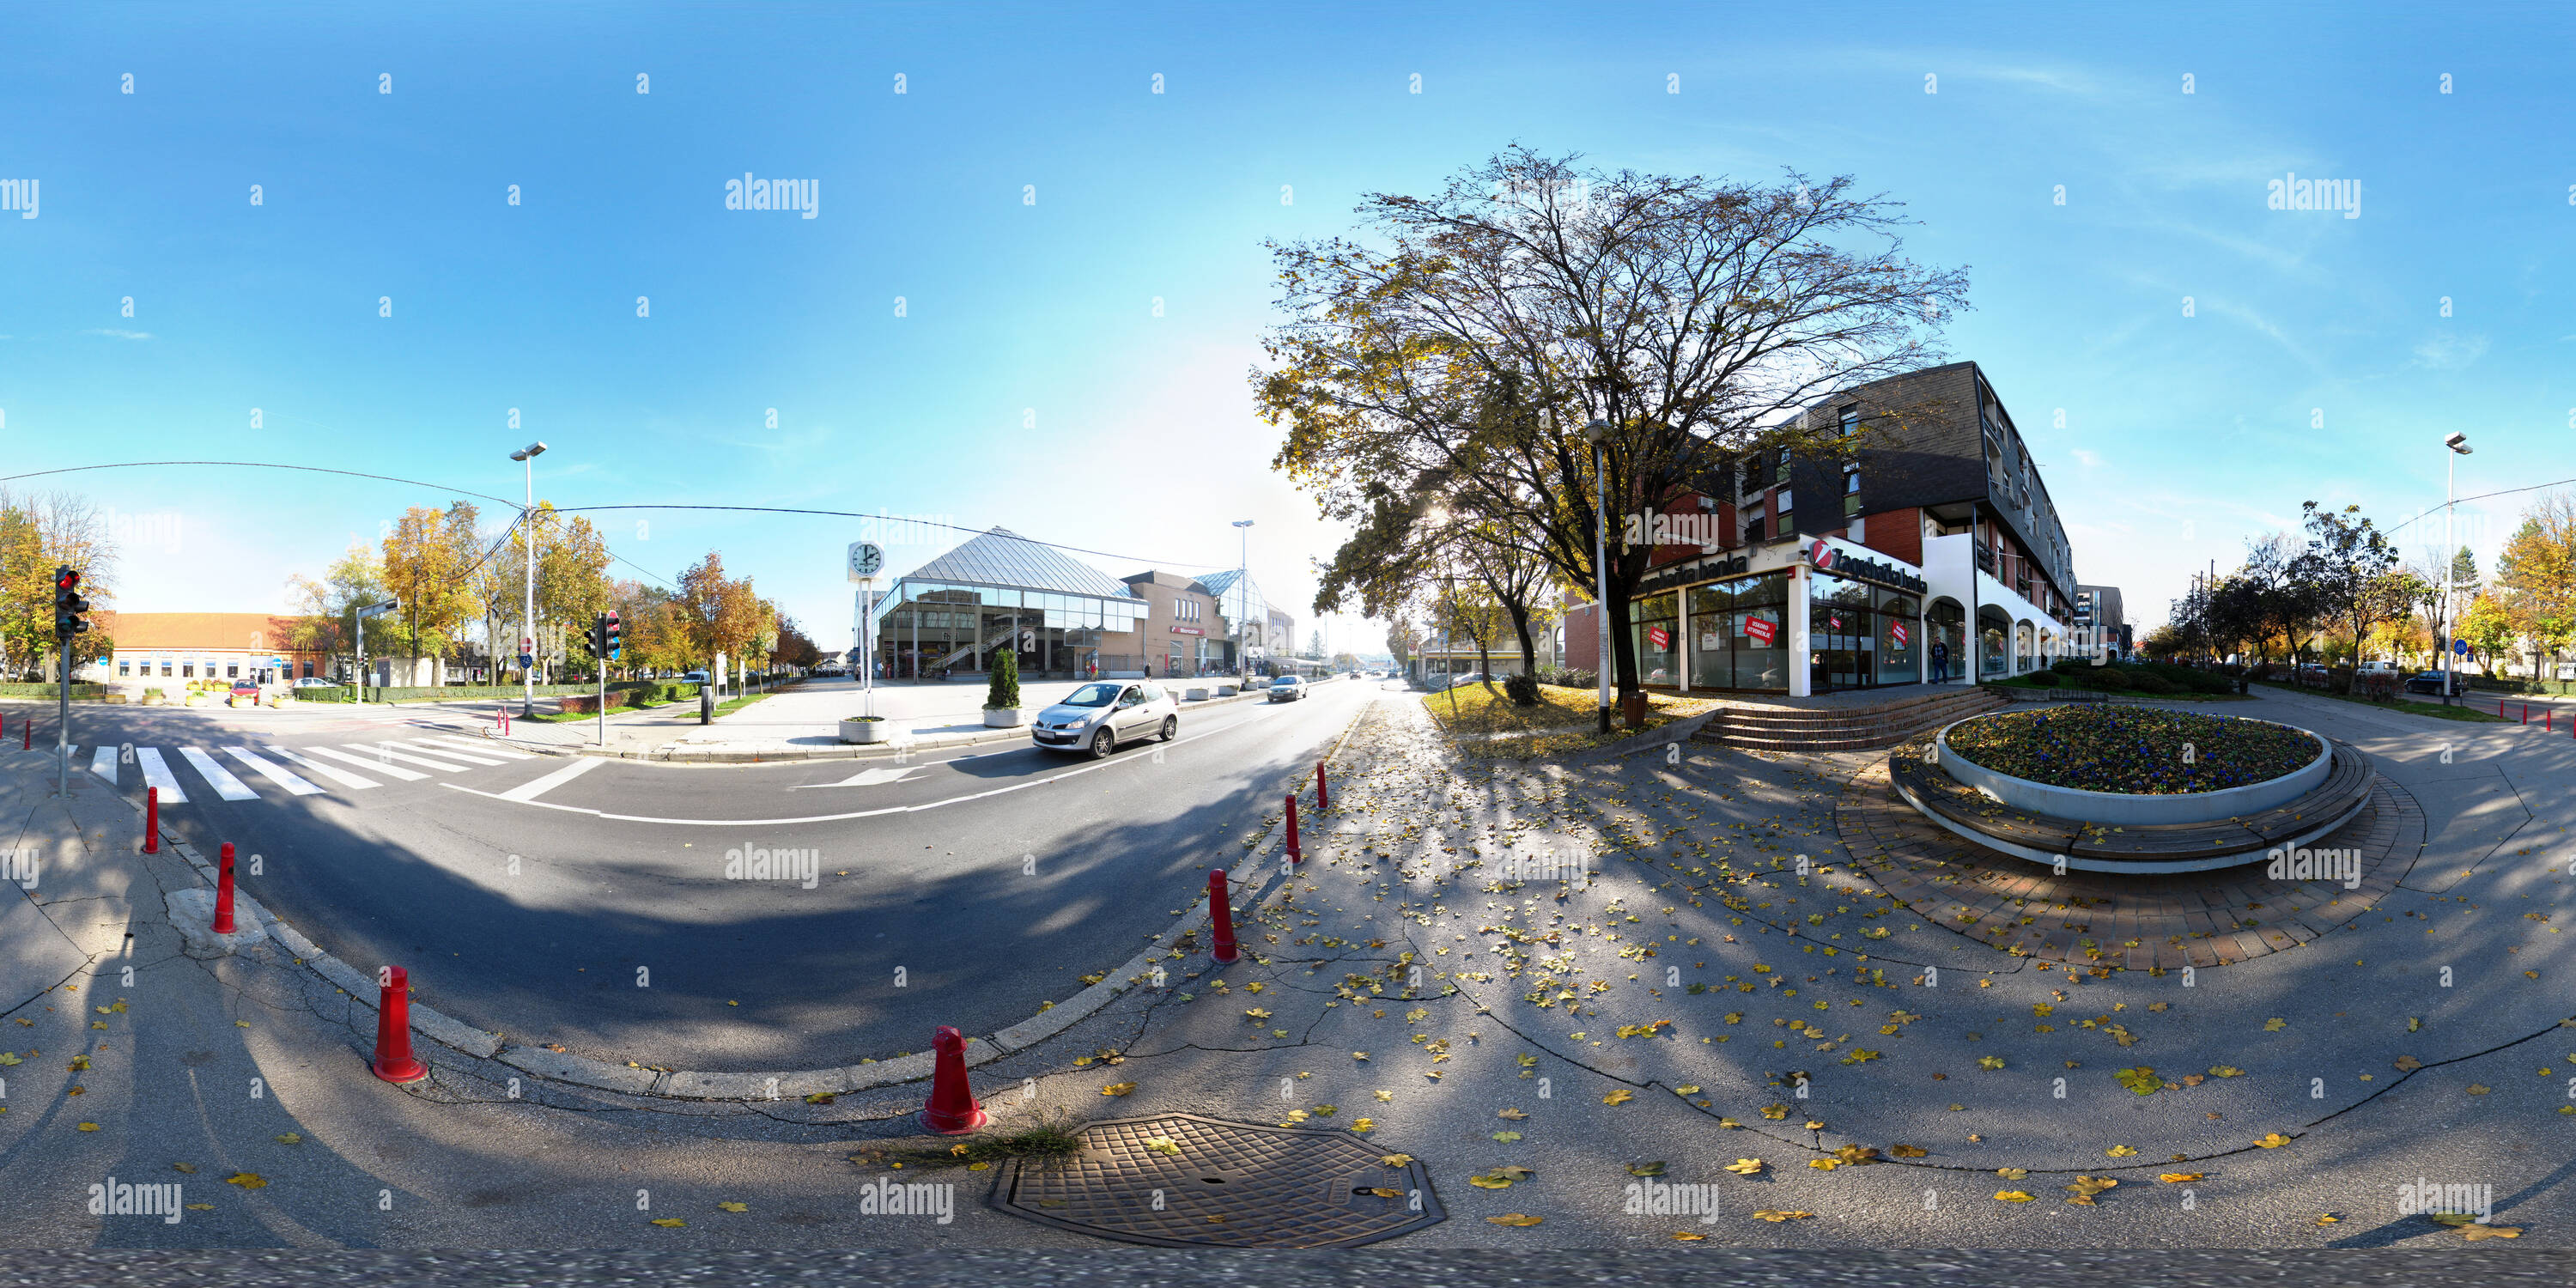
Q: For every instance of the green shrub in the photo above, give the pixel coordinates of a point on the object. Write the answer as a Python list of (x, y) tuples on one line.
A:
[(2151, 683), (2112, 678), (1521, 689), (1003, 693), (2071, 665), (2046, 679)]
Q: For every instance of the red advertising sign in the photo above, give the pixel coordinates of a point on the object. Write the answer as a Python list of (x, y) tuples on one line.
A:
[(1760, 630), (1659, 637), (1896, 632)]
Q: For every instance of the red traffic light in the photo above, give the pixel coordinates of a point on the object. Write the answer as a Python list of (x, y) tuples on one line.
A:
[(66, 580)]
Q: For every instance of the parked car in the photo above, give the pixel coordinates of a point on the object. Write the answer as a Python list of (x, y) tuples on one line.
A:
[(1288, 688), (244, 693), (2431, 682), (694, 677), (314, 682), (1104, 713)]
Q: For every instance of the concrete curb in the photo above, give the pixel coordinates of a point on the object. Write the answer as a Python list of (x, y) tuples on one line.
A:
[(1251, 879)]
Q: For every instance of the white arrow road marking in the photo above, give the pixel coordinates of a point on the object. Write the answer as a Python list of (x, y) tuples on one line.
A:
[(226, 786), (387, 769), (865, 778), (102, 762), (533, 789), (274, 773), (156, 774), (340, 776)]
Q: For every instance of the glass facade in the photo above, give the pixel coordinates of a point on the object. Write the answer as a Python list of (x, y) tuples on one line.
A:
[(1652, 619), (1861, 636), (1728, 651), (927, 626)]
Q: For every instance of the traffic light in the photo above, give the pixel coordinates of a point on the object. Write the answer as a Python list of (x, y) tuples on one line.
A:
[(609, 631), (68, 604)]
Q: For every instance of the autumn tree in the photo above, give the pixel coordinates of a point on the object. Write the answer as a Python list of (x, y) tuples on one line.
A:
[(2536, 573), (720, 614), (327, 609), (430, 559), (1459, 350), (2346, 566), (38, 534)]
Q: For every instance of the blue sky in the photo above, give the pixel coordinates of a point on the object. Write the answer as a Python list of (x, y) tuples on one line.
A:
[(2181, 435)]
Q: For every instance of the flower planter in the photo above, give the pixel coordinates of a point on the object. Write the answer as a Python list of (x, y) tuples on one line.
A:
[(2132, 809), (864, 729), (1003, 717)]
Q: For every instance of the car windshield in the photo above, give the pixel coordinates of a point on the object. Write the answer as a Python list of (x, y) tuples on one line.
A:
[(1092, 695)]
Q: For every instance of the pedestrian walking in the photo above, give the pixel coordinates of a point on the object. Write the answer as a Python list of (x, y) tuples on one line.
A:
[(1940, 662)]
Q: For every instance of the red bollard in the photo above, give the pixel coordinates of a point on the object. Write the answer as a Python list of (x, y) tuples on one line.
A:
[(1221, 917), (224, 891), (151, 820), (394, 1062), (1323, 790), (1294, 854), (2526, 713), (952, 1110), (505, 722)]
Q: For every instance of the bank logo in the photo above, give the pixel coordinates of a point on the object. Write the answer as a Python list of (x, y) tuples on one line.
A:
[(2295, 193), (804, 196), (2299, 863), (750, 863), (885, 1197), (116, 1198), (19, 195)]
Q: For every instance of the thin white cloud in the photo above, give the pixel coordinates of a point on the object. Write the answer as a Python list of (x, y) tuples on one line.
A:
[(117, 334), (2085, 458), (2449, 351)]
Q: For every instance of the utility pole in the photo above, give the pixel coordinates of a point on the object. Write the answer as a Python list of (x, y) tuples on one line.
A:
[(1595, 432), (527, 457), (1243, 604), (2459, 445)]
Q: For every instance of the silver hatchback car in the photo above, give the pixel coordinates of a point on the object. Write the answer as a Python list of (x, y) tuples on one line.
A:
[(1104, 713)]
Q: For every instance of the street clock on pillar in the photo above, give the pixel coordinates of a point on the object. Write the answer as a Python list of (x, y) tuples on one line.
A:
[(68, 604), (867, 559)]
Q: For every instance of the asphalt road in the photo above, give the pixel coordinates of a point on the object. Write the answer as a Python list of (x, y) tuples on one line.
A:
[(598, 912)]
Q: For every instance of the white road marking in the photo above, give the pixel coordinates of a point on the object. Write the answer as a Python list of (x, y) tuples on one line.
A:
[(422, 744), (102, 762), (484, 748), (156, 774), (865, 778), (340, 776), (387, 749), (1122, 759), (226, 786), (388, 770), (273, 772), (535, 788)]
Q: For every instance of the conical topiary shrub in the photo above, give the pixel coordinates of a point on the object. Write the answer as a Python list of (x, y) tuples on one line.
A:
[(1005, 691)]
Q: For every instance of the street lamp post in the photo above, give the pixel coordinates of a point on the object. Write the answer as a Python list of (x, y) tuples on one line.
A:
[(2459, 445), (527, 457), (1594, 433), (1243, 605)]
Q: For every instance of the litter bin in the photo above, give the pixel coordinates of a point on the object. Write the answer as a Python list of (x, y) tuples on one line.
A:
[(706, 704), (1633, 707)]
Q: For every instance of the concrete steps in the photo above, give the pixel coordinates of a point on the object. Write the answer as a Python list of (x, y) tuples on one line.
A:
[(1842, 728)]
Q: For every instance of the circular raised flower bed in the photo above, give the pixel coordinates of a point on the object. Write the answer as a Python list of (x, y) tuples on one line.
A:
[(2134, 765)]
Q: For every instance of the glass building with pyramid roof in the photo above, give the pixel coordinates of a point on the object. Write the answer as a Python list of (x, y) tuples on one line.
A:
[(998, 587)]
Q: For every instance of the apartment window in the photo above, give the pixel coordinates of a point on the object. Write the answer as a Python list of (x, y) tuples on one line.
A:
[(232, 670), (1782, 475), (1850, 421), (165, 668), (1851, 490), (188, 669), (1753, 523), (124, 666)]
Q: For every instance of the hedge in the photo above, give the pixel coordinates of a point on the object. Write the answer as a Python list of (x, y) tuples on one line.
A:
[(51, 690)]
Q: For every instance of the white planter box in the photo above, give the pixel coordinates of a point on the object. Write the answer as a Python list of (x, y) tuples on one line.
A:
[(1198, 694), (864, 731), (1003, 717)]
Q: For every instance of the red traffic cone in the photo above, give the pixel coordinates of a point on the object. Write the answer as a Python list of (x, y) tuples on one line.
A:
[(224, 891), (952, 1110), (394, 1062), (1221, 917)]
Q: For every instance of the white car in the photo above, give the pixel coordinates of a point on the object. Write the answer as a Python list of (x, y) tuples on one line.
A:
[(1288, 688), (1104, 713)]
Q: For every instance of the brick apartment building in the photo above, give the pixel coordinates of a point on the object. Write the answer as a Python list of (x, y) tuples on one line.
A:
[(1833, 574)]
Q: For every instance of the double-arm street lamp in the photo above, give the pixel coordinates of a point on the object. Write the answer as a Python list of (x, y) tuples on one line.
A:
[(2459, 445), (527, 456)]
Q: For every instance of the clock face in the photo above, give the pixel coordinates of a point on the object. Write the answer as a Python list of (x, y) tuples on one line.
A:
[(866, 558)]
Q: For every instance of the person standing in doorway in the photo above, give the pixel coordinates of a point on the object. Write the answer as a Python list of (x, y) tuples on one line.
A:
[(1940, 662)]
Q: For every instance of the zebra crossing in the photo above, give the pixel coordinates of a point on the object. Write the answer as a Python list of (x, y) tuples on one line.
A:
[(290, 772)]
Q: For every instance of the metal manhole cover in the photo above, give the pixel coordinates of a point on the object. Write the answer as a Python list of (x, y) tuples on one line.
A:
[(1232, 1185)]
